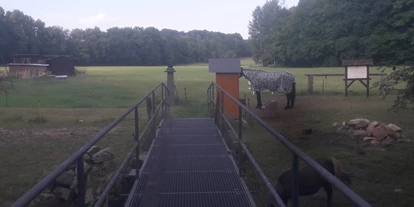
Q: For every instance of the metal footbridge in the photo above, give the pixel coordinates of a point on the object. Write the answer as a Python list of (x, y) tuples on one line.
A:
[(190, 162), (189, 165)]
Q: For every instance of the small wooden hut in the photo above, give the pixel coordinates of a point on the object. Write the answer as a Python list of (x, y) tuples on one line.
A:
[(61, 65)]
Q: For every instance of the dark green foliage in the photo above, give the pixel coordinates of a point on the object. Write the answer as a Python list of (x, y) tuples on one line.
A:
[(405, 94), (20, 33), (323, 32)]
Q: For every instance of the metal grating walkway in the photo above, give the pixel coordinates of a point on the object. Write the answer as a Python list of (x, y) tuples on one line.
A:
[(189, 166)]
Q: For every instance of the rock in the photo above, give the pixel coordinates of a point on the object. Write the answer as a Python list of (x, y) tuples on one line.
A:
[(74, 186), (406, 140), (359, 123), (395, 135), (335, 124), (369, 139), (66, 178), (360, 133), (379, 132), (394, 127), (93, 150), (89, 196), (62, 193), (344, 123), (87, 158), (48, 199), (374, 142), (387, 142), (103, 155), (371, 126)]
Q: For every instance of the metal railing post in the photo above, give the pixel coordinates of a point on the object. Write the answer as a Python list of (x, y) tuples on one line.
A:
[(295, 181), (221, 111), (136, 123), (153, 113), (162, 99), (81, 181), (241, 158)]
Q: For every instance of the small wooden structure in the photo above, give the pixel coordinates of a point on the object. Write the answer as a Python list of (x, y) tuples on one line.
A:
[(25, 71), (61, 65), (357, 69), (227, 76)]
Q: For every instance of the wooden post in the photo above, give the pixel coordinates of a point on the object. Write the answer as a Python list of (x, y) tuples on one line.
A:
[(367, 81), (310, 84), (346, 81)]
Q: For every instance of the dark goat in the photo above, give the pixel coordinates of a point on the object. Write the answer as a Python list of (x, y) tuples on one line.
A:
[(310, 181)]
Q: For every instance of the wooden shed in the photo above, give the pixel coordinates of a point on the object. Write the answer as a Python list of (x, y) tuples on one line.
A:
[(61, 65), (25, 71), (227, 76)]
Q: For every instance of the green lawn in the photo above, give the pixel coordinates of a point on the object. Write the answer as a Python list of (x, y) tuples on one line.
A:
[(27, 148)]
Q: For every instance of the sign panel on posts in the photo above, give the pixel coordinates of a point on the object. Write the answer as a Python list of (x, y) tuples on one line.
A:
[(357, 72)]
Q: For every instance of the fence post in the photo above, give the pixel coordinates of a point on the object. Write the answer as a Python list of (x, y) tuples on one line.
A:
[(310, 83), (81, 181), (170, 84), (136, 123), (295, 181)]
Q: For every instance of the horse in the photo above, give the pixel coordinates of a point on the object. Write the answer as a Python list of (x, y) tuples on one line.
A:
[(282, 81), (310, 181)]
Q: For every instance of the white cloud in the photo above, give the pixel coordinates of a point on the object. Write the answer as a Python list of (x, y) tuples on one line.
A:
[(101, 19)]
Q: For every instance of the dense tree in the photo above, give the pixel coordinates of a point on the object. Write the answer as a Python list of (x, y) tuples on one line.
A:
[(19, 33), (322, 32)]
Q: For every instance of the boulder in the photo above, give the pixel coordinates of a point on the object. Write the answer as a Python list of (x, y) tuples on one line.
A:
[(371, 127), (369, 139), (62, 193), (66, 178), (387, 142), (335, 124), (93, 150), (394, 127), (379, 132), (374, 142), (103, 155), (360, 133), (48, 199), (89, 196), (359, 123)]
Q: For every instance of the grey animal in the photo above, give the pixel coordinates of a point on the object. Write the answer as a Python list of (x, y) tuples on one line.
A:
[(283, 82), (310, 182)]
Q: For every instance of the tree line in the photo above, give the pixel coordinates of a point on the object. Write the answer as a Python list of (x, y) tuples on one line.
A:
[(323, 32), (21, 34)]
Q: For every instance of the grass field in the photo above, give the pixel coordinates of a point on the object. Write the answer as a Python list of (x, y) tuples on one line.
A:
[(28, 147)]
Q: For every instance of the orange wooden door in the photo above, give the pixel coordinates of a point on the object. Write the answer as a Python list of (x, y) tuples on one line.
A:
[(230, 83)]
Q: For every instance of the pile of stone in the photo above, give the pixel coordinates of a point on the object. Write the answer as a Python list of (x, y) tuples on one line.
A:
[(374, 133), (99, 165)]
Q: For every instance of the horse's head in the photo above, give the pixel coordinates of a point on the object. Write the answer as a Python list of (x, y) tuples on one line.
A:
[(241, 72)]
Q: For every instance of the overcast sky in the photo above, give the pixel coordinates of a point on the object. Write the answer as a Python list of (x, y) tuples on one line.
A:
[(228, 16)]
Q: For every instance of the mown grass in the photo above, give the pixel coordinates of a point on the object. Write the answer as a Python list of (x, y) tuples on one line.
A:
[(29, 147)]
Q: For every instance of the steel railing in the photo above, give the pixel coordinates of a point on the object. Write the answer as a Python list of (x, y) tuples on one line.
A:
[(77, 157), (215, 109)]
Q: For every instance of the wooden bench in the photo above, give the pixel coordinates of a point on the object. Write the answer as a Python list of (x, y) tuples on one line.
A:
[(310, 78)]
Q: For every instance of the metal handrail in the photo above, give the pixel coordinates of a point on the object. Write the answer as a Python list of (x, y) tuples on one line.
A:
[(31, 194), (356, 199), (126, 160)]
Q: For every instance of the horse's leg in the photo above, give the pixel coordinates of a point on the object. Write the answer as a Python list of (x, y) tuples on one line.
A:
[(288, 96), (328, 189), (293, 95), (259, 100)]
